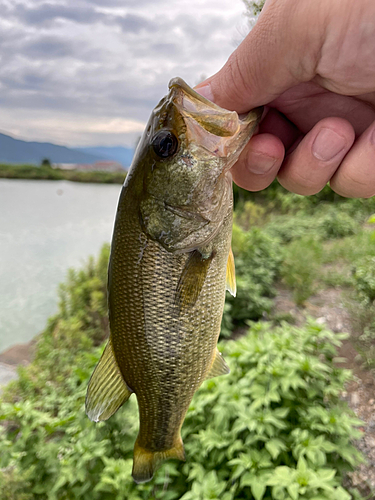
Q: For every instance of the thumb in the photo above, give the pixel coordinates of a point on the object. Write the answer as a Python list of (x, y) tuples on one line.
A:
[(281, 51)]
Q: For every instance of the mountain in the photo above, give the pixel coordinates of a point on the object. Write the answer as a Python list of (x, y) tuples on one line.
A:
[(119, 154), (17, 151)]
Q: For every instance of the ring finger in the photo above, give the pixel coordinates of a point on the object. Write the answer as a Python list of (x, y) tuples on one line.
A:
[(308, 168)]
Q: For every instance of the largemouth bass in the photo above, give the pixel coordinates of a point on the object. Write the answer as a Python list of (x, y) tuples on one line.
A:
[(169, 267)]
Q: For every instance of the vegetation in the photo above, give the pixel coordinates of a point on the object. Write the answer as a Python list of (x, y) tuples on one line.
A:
[(321, 241), (300, 267), (274, 429), (254, 7), (45, 172)]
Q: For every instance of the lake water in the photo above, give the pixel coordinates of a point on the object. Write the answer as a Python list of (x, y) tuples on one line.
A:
[(45, 228)]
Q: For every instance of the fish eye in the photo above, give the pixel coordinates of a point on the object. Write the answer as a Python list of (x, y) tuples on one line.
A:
[(165, 144)]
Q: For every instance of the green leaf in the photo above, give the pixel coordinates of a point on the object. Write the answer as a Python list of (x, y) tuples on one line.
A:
[(275, 447), (293, 490), (258, 490)]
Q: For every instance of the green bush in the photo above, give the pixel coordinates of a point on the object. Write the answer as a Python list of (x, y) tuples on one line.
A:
[(257, 258), (273, 429), (301, 266), (327, 223), (291, 227), (362, 312), (335, 223), (364, 279), (249, 214), (350, 250)]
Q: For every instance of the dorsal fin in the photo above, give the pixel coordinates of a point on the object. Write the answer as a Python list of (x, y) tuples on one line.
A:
[(107, 390), (231, 274), (219, 366)]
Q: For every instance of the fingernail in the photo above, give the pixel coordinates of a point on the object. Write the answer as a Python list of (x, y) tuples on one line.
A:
[(258, 163), (205, 91), (327, 144)]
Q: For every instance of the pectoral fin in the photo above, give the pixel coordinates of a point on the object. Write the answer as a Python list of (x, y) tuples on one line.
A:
[(219, 366), (107, 390), (192, 279), (231, 274)]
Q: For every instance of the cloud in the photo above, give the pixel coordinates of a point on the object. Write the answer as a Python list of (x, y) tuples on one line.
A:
[(47, 12), (49, 47), (132, 23), (73, 63)]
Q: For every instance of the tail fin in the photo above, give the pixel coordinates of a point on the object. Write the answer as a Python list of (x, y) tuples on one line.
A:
[(145, 462)]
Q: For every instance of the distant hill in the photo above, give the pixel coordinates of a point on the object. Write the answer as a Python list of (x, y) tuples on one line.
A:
[(119, 154), (17, 151)]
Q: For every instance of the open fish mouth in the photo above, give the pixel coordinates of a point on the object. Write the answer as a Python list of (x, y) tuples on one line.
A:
[(193, 102), (179, 83), (212, 118), (218, 130)]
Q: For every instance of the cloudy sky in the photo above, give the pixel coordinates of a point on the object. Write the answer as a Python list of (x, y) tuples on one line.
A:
[(88, 72)]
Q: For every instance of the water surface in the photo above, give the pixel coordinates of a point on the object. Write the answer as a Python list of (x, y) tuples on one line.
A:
[(45, 228)]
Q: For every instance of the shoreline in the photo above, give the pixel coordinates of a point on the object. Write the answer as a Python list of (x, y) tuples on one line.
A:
[(18, 354), (12, 357)]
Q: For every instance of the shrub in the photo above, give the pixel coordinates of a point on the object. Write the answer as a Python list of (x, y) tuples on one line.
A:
[(363, 313), (300, 267), (273, 429), (257, 257), (289, 228), (250, 214), (364, 279), (335, 223)]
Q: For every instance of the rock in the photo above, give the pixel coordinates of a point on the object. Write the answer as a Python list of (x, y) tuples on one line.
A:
[(339, 327), (7, 373), (18, 354), (321, 320), (354, 400)]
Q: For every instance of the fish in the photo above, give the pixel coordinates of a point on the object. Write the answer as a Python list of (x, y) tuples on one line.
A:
[(170, 264)]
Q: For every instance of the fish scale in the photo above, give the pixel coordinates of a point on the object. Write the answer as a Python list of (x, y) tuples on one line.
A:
[(169, 265)]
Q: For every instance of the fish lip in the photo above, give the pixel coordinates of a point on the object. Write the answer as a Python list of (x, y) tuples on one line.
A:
[(243, 118), (179, 83), (185, 213)]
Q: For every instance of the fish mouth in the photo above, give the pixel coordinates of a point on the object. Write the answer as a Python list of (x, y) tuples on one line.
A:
[(213, 118), (179, 83)]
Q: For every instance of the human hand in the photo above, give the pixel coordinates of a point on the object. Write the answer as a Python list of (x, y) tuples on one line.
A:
[(313, 64)]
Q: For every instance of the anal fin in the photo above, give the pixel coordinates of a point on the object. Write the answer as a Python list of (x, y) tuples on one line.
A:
[(218, 367), (145, 462), (231, 275), (107, 390)]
